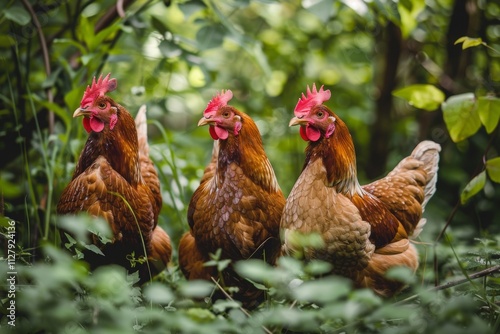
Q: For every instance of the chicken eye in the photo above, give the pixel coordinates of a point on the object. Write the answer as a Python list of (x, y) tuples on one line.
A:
[(320, 114), (225, 114), (102, 105)]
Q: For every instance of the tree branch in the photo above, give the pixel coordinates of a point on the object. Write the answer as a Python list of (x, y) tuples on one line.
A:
[(479, 274)]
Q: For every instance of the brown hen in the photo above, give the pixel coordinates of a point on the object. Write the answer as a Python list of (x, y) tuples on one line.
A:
[(115, 179), (238, 204), (366, 229)]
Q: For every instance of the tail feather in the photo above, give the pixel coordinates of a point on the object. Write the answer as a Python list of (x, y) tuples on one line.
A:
[(142, 131), (428, 152), (148, 171)]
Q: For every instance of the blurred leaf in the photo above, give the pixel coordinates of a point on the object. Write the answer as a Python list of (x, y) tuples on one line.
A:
[(468, 42), (158, 24), (17, 14), (402, 274), (426, 97), (324, 290), (473, 187), (158, 293), (409, 11), (323, 9), (318, 267), (196, 289), (200, 315), (6, 41), (210, 36), (488, 108), (256, 270), (460, 116), (169, 49), (493, 169), (191, 7), (80, 225)]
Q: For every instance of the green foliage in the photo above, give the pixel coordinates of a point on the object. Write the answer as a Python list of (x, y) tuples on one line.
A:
[(173, 56), (425, 97)]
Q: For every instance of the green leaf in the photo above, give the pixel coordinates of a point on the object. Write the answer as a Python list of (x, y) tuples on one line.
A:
[(169, 49), (409, 11), (196, 289), (323, 290), (488, 108), (469, 42), (426, 97), (460, 116), (473, 187), (158, 293), (256, 270), (323, 9), (6, 41), (493, 169), (209, 37), (18, 15)]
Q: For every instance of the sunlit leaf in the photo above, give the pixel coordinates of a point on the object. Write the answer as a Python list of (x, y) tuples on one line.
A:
[(460, 116), (493, 169), (426, 97), (468, 42), (409, 11), (473, 187), (488, 108)]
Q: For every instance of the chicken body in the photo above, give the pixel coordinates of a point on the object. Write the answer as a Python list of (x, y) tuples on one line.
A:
[(115, 179), (237, 206), (366, 229)]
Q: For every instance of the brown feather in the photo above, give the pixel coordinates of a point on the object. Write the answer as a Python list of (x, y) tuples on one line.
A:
[(116, 181), (365, 229), (236, 208)]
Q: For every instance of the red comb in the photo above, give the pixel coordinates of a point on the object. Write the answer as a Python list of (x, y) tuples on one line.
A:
[(218, 101), (99, 88), (313, 98)]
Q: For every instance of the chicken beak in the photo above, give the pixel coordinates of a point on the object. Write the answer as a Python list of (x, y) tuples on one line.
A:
[(81, 112), (205, 121), (297, 121)]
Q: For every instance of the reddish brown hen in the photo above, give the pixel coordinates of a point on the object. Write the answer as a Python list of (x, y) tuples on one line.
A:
[(366, 229), (115, 179), (238, 204)]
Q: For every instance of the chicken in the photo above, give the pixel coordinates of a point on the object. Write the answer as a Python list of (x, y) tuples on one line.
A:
[(238, 204), (115, 179), (366, 230)]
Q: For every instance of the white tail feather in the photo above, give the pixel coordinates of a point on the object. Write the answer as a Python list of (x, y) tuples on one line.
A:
[(428, 152)]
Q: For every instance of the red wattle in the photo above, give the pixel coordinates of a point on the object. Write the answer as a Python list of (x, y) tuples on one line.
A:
[(303, 133), (221, 132), (211, 129), (96, 124), (86, 124), (312, 133)]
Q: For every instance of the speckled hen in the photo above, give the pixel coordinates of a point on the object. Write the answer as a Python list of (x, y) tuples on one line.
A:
[(366, 230), (115, 179), (238, 204)]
